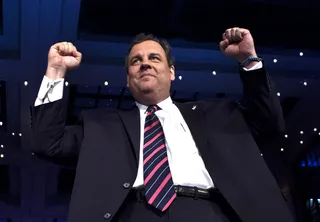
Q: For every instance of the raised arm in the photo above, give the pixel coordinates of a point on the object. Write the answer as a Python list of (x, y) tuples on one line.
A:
[(260, 104), (51, 139)]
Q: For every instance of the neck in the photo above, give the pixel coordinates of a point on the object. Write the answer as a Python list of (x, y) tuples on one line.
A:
[(151, 99)]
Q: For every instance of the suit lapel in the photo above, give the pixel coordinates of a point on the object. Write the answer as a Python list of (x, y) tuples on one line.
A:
[(193, 115), (131, 121)]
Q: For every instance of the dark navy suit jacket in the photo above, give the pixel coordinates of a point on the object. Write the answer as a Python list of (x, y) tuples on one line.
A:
[(104, 148)]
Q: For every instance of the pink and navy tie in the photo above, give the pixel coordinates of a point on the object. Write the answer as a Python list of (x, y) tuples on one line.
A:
[(158, 183)]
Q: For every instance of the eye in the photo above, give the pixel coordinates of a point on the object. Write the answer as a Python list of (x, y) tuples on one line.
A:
[(135, 60), (155, 58)]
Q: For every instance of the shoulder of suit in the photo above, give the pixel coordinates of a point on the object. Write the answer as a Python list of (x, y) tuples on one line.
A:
[(206, 102), (107, 110), (98, 111), (214, 103)]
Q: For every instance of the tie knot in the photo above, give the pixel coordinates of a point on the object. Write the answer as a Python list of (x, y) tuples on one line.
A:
[(153, 109)]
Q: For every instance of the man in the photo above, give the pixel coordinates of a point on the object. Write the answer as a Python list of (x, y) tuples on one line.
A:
[(165, 161)]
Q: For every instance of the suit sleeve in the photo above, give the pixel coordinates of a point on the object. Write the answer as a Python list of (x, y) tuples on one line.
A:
[(51, 139), (260, 104)]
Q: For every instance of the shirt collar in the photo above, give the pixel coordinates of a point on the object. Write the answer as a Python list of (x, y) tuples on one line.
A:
[(164, 105)]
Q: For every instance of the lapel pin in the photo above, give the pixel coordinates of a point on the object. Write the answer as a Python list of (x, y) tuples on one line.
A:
[(194, 107)]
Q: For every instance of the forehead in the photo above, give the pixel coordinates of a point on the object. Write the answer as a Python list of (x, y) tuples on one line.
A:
[(146, 47)]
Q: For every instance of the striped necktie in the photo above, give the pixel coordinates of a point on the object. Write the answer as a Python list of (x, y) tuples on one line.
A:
[(158, 183)]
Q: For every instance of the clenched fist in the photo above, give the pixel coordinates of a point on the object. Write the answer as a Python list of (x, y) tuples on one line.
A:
[(62, 57), (238, 43)]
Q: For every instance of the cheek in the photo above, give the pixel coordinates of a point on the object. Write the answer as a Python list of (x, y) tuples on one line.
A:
[(132, 73), (160, 70), (130, 79), (132, 70), (165, 73)]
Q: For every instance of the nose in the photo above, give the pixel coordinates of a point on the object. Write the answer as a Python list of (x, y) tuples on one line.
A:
[(145, 65)]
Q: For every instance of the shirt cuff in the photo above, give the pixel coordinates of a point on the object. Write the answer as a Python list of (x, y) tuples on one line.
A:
[(50, 91), (259, 65)]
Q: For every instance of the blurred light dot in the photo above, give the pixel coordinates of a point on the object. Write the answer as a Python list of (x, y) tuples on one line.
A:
[(261, 154), (214, 73), (2, 146), (106, 83), (282, 149), (25, 83), (315, 129), (286, 136), (301, 132), (66, 83), (2, 156), (275, 60), (301, 53), (301, 142), (305, 83), (1, 123), (180, 77), (278, 94), (20, 134), (13, 134)]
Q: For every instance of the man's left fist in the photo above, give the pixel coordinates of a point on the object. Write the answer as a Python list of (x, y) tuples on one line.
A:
[(238, 44)]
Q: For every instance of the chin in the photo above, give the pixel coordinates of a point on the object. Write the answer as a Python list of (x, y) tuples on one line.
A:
[(147, 86), (146, 90)]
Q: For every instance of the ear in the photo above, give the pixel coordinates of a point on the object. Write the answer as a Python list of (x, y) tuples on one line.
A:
[(172, 73)]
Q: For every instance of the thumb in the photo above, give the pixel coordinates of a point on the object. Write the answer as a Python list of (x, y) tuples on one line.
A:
[(77, 55), (224, 44)]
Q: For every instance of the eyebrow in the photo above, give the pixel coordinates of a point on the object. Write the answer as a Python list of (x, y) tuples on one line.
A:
[(154, 54), (150, 54)]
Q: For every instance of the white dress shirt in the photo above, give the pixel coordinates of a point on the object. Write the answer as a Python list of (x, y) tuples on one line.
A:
[(181, 148)]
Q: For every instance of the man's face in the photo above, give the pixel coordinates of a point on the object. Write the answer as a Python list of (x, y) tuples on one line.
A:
[(148, 70)]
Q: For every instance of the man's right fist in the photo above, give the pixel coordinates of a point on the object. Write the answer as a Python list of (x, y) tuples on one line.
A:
[(62, 57)]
